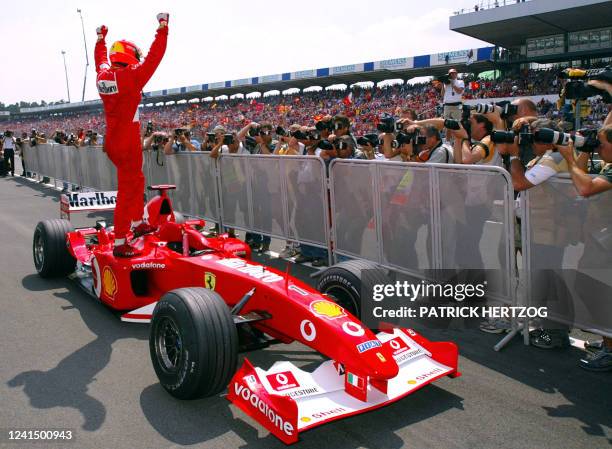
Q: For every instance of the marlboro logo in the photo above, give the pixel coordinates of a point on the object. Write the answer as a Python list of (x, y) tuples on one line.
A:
[(91, 200)]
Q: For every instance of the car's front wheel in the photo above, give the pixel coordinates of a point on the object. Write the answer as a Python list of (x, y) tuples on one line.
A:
[(49, 250), (193, 343)]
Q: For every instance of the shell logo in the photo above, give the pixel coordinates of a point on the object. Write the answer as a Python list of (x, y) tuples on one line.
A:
[(109, 282), (327, 309), (305, 419)]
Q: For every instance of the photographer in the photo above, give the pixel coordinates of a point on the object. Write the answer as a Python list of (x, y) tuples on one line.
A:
[(477, 146), (263, 143), (368, 147), (91, 139), (432, 150), (288, 142), (8, 148), (452, 89), (549, 244), (595, 254), (181, 141), (156, 141), (59, 137), (226, 143)]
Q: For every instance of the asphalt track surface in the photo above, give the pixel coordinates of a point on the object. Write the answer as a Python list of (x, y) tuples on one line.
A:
[(69, 362)]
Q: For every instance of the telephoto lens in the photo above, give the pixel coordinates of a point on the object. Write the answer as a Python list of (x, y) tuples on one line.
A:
[(502, 136)]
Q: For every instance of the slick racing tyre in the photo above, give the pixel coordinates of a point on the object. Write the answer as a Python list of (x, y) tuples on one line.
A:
[(49, 250), (343, 283), (193, 343)]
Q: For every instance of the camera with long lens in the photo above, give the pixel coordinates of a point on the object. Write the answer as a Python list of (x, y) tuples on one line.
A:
[(585, 142), (525, 136), (368, 139), (280, 131), (299, 135), (386, 124), (577, 88), (505, 108)]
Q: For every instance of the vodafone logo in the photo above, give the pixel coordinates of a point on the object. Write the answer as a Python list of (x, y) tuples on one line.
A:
[(308, 330), (353, 329), (282, 381), (260, 406), (398, 345)]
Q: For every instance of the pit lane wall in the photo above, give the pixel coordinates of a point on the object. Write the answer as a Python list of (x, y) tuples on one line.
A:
[(414, 218)]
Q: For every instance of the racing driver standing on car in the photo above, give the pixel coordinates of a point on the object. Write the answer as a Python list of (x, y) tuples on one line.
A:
[(120, 85)]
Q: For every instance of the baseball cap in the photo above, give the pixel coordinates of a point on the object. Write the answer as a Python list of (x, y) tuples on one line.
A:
[(218, 129)]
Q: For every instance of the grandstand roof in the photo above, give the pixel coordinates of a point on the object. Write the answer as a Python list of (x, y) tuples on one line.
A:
[(404, 67), (508, 26)]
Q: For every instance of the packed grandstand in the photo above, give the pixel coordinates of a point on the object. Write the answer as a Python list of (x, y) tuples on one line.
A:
[(364, 107)]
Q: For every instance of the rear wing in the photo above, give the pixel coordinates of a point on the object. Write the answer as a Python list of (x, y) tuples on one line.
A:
[(86, 202)]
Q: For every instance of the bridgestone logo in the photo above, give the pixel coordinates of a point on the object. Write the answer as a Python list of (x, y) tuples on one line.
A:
[(251, 398), (149, 265)]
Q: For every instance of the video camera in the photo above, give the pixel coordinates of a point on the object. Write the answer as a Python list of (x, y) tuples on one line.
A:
[(578, 89)]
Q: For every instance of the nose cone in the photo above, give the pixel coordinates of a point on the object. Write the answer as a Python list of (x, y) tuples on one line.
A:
[(378, 363)]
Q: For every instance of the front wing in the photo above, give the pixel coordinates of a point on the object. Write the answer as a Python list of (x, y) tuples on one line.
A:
[(287, 400)]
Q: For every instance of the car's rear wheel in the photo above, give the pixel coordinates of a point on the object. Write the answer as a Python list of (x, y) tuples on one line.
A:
[(343, 283), (49, 250), (193, 343)]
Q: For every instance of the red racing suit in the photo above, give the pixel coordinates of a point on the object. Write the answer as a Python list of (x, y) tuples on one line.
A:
[(120, 89)]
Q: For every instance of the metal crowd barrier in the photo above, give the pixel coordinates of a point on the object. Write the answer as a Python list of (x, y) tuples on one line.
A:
[(567, 251), (427, 220), (408, 217), (280, 196)]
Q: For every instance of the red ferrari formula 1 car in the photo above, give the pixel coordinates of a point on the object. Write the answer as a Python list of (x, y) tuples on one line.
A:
[(207, 301)]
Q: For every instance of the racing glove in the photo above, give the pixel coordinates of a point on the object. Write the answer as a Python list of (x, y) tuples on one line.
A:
[(101, 31), (163, 18)]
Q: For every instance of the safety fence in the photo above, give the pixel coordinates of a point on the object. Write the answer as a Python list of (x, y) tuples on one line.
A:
[(429, 221), (567, 251), (417, 219)]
